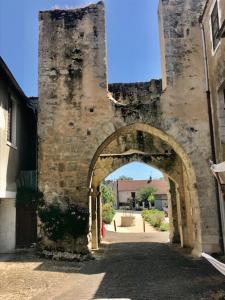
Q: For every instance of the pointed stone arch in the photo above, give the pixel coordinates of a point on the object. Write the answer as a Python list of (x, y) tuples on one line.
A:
[(179, 170)]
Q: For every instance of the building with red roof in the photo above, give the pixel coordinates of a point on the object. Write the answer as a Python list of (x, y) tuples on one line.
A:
[(126, 192)]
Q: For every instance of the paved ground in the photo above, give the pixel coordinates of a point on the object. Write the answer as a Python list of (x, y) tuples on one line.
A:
[(128, 266), (137, 228), (134, 269)]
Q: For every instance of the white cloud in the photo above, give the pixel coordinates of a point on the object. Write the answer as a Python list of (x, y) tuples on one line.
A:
[(74, 7), (56, 7)]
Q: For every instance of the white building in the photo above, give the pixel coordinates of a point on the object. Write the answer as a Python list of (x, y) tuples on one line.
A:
[(126, 192), (17, 151)]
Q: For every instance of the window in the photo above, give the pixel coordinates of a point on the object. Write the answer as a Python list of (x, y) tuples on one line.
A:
[(133, 195), (11, 129), (215, 25)]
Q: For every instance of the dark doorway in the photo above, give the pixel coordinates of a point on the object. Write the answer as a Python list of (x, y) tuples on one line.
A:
[(26, 225)]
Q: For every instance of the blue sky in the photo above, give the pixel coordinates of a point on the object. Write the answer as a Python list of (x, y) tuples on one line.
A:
[(132, 39), (136, 170)]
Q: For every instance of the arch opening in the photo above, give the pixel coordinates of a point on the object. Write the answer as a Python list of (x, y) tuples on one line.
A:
[(138, 175), (143, 143)]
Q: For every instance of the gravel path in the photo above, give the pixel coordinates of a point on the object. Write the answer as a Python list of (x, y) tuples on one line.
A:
[(129, 266), (135, 269)]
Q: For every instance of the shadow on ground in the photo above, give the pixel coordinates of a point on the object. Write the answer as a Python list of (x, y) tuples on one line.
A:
[(138, 271), (155, 271)]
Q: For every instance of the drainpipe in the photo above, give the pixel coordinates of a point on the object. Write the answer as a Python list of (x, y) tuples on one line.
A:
[(212, 133)]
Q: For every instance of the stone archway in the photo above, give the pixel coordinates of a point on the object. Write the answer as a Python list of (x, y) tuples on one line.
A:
[(141, 142), (80, 115)]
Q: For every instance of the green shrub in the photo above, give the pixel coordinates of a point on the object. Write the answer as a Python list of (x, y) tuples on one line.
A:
[(107, 213), (63, 218), (146, 213), (154, 217), (164, 227)]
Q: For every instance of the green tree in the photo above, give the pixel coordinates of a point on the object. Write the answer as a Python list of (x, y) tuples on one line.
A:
[(151, 199), (147, 194), (107, 195), (123, 177)]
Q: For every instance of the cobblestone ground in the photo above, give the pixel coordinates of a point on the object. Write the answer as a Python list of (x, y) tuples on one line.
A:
[(129, 266)]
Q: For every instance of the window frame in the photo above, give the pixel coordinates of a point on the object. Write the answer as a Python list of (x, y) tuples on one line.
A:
[(215, 4), (9, 122), (215, 24), (11, 134)]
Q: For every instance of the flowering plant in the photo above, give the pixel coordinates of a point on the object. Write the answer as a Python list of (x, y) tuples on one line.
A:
[(63, 218)]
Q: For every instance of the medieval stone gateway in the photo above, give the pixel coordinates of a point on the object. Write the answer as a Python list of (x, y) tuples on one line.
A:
[(88, 128)]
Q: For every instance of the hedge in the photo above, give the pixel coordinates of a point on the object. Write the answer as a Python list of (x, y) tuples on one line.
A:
[(154, 217)]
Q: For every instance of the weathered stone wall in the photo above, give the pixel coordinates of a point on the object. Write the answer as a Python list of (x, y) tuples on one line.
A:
[(185, 97), (136, 146), (79, 121), (173, 214), (138, 101), (72, 93), (136, 93), (180, 39)]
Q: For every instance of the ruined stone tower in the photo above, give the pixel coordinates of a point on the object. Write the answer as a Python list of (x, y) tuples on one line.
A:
[(87, 129)]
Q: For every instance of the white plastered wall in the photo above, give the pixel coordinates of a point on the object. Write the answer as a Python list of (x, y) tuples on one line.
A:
[(7, 225)]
